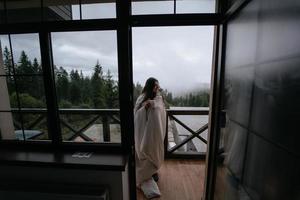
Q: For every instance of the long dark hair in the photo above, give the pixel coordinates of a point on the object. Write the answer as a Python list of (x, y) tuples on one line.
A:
[(148, 89)]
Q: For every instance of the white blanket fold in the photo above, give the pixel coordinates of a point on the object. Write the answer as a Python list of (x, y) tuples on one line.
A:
[(149, 128), (150, 189)]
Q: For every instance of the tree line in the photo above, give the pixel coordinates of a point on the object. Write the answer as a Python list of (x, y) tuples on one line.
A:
[(76, 90), (191, 99)]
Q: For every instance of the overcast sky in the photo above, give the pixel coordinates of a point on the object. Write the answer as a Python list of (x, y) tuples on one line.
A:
[(179, 57)]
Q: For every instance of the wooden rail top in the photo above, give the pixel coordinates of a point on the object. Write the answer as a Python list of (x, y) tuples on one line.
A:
[(200, 111), (197, 111)]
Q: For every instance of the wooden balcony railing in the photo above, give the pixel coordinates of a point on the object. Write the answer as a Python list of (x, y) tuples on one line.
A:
[(105, 116), (178, 143), (179, 139)]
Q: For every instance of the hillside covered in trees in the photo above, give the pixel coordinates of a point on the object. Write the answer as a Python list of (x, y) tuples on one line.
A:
[(75, 89)]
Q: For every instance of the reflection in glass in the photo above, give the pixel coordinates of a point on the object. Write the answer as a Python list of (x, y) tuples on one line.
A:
[(86, 76), (19, 11), (97, 10), (55, 10), (152, 7)]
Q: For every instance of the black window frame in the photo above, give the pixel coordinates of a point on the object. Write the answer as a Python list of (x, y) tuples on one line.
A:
[(123, 23), (44, 29)]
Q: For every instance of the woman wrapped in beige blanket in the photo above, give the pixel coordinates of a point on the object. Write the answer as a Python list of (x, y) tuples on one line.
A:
[(149, 128)]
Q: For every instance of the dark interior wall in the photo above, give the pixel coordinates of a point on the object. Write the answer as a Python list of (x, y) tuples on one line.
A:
[(262, 100), (62, 177)]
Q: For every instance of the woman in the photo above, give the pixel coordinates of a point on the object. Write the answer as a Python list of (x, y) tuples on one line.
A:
[(149, 128)]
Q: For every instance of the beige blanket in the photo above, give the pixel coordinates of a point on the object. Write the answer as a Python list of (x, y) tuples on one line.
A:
[(149, 130)]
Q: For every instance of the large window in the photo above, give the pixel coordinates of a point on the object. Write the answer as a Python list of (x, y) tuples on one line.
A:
[(23, 110), (82, 85), (86, 80), (86, 73)]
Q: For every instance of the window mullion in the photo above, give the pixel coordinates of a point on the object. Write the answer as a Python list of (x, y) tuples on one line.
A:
[(50, 92)]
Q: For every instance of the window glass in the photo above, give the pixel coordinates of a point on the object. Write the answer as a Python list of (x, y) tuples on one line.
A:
[(35, 126), (26, 54), (31, 91), (195, 6), (98, 9), (86, 74), (7, 68), (23, 113), (152, 7)]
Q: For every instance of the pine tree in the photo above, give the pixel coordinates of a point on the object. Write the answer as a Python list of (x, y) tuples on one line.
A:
[(87, 92), (7, 60), (97, 87), (26, 83), (37, 69), (111, 95), (25, 66), (62, 84), (75, 91), (8, 67)]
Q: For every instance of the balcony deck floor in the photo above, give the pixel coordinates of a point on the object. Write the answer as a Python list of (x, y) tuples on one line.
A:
[(180, 180)]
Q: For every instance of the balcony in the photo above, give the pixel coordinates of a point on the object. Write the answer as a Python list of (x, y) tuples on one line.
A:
[(180, 179), (186, 128)]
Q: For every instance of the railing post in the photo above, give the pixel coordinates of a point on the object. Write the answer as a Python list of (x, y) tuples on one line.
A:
[(166, 141), (106, 129)]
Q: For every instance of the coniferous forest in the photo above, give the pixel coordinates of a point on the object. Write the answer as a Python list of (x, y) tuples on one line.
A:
[(75, 89)]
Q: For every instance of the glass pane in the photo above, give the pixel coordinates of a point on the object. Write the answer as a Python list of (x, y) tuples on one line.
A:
[(152, 7), (35, 126), (10, 126), (98, 9), (86, 74), (23, 11), (60, 10), (195, 6), (6, 66), (8, 98), (26, 53), (31, 91), (85, 127)]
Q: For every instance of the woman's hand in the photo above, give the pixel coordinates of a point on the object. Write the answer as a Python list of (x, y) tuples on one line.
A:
[(147, 104)]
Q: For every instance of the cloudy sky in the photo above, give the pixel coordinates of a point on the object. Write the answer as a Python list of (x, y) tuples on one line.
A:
[(179, 57)]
